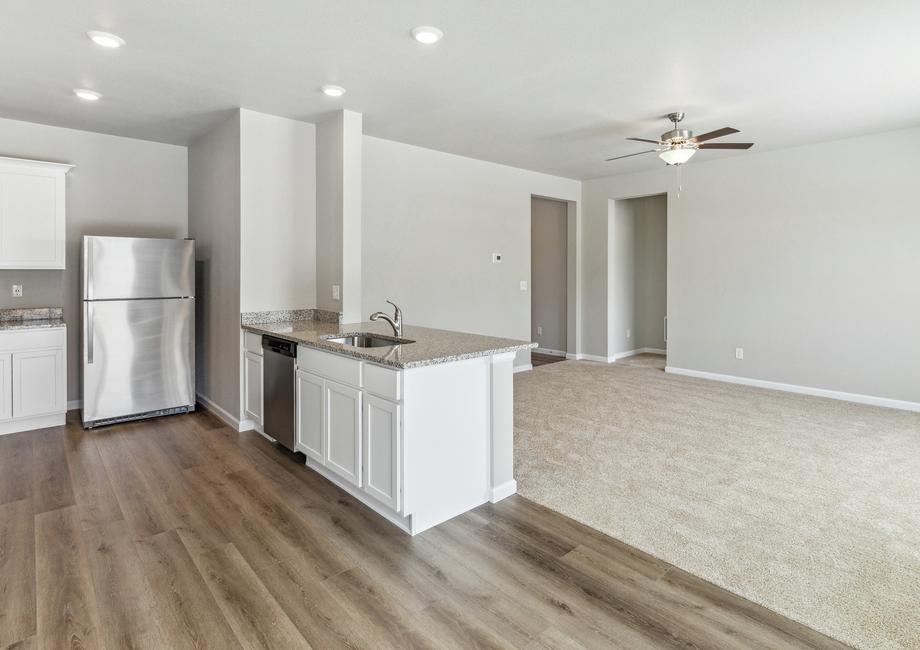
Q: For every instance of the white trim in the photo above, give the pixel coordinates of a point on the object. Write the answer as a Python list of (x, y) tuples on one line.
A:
[(802, 390), (523, 367), (74, 404), (502, 491), (632, 353), (550, 351), (574, 356), (222, 414), (594, 357), (16, 425)]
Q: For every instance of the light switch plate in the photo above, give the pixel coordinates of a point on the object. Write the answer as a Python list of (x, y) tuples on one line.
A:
[(523, 285), (739, 354), (496, 258), (539, 331), (336, 292)]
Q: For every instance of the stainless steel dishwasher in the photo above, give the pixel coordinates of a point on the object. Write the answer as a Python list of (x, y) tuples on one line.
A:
[(278, 357)]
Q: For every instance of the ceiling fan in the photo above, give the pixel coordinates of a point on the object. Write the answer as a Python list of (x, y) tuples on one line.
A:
[(677, 146)]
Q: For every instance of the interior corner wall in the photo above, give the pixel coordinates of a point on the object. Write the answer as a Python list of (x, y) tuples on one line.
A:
[(636, 268), (118, 186), (805, 257), (214, 223), (431, 222), (277, 213)]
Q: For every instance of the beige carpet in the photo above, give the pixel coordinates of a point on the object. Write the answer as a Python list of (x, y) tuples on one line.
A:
[(808, 506)]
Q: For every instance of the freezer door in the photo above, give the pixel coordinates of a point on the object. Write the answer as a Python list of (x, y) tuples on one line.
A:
[(116, 268), (138, 356)]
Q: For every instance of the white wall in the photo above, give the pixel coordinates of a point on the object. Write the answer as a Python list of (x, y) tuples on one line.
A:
[(431, 222), (637, 245), (277, 213), (214, 222), (120, 186), (806, 257), (549, 273)]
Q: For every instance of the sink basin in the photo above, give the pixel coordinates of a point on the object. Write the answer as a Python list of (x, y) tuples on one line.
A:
[(368, 340)]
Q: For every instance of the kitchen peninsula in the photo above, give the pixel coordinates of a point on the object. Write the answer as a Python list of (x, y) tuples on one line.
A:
[(417, 427)]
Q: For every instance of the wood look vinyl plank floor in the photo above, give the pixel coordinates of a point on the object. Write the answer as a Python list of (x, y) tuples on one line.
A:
[(182, 533)]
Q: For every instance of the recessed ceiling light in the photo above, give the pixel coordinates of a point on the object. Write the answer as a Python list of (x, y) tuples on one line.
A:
[(88, 95), (427, 35), (333, 91), (106, 39)]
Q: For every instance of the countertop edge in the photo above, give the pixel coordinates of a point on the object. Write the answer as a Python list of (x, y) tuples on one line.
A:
[(408, 365)]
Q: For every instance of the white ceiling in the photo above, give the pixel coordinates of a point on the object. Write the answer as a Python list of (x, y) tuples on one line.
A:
[(552, 86)]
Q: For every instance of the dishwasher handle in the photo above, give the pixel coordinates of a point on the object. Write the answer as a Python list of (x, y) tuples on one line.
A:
[(279, 346)]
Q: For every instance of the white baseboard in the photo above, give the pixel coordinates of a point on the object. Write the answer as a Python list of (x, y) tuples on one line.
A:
[(36, 422), (74, 404), (594, 357), (551, 352), (523, 367), (221, 413), (632, 353), (802, 390), (503, 491), (652, 351)]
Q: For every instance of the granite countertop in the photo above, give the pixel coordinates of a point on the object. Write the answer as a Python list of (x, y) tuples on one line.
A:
[(31, 318), (31, 324), (430, 347)]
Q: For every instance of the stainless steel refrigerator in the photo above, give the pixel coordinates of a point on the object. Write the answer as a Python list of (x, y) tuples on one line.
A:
[(138, 328)]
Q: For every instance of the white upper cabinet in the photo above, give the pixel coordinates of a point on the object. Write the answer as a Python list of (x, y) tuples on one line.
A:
[(32, 214)]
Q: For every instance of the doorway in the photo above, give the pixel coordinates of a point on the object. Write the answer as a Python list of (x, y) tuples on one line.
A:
[(549, 263), (637, 281)]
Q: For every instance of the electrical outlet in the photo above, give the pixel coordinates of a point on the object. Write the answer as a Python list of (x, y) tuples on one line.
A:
[(629, 334), (739, 354), (539, 330), (496, 258), (523, 285), (336, 292), (17, 291)]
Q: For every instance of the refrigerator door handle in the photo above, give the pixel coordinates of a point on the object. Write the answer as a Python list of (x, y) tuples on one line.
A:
[(89, 332), (88, 267)]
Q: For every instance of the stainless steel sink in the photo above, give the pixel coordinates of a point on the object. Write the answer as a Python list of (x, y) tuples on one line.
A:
[(368, 340)]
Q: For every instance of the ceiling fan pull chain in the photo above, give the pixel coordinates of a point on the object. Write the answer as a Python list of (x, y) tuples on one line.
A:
[(680, 185)]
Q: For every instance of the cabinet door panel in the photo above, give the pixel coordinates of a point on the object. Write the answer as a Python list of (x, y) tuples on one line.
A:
[(310, 438), (6, 389), (38, 383), (381, 449), (252, 376), (343, 431), (31, 219)]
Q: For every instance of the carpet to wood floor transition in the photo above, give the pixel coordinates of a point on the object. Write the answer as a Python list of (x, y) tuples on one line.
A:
[(808, 506)]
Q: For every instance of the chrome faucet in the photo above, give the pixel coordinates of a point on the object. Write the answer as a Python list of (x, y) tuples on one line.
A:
[(395, 322)]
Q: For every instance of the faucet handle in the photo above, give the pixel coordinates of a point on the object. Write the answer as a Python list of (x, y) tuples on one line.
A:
[(398, 310)]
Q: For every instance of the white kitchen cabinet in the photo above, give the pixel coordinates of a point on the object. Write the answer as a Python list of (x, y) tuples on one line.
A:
[(343, 431), (33, 379), (381, 449), (311, 436), (6, 386), (252, 387), (38, 386), (32, 214)]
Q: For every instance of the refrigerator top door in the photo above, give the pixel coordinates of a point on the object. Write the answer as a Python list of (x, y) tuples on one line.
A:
[(116, 268)]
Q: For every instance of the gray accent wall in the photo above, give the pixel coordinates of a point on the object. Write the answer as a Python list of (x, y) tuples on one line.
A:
[(214, 222), (805, 257), (637, 282), (548, 273), (119, 186)]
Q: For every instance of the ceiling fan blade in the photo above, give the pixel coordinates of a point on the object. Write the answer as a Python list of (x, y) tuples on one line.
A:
[(645, 140), (727, 145), (718, 133), (630, 155)]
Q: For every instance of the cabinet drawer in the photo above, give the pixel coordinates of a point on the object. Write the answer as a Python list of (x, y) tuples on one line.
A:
[(383, 381), (331, 366), (252, 342), (33, 339)]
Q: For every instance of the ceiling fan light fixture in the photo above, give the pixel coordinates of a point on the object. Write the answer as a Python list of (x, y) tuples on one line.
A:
[(677, 155)]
